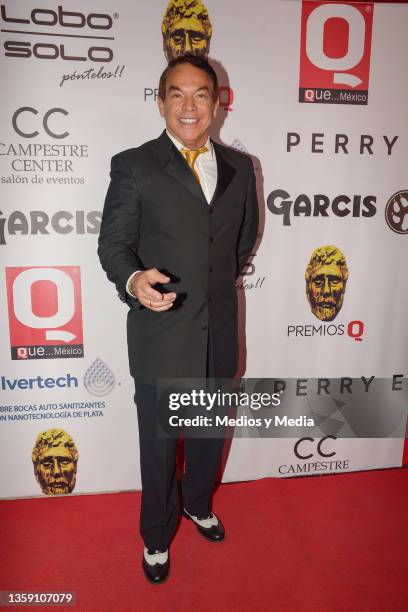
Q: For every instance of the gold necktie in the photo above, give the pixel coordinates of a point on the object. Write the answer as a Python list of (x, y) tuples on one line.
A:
[(191, 156)]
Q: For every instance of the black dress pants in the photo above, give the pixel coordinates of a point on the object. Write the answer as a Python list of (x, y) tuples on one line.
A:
[(160, 501)]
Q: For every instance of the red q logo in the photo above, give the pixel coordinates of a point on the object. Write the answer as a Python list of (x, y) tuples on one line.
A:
[(45, 315), (335, 52), (226, 97)]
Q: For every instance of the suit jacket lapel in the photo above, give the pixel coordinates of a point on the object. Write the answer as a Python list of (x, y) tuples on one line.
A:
[(176, 166), (225, 172)]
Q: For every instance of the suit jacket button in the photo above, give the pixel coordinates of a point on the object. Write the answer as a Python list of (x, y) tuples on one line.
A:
[(211, 239), (204, 328)]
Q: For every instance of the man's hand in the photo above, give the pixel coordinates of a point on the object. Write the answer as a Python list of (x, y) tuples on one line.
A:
[(142, 288)]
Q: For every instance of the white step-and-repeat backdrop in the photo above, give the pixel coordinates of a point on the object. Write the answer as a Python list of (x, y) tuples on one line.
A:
[(316, 93)]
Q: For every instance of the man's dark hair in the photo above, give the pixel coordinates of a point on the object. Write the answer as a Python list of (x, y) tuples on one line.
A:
[(193, 60)]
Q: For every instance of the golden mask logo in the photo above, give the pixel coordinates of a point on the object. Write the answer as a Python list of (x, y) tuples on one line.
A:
[(326, 278), (55, 459), (186, 28)]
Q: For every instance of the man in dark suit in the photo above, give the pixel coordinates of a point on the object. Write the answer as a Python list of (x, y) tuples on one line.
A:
[(179, 223)]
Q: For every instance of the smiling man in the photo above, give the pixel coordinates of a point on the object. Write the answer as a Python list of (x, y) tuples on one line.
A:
[(179, 223)]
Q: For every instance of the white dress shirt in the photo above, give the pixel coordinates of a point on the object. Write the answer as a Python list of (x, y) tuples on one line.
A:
[(206, 168)]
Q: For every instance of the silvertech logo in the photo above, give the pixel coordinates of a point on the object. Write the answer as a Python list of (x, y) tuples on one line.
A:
[(99, 379)]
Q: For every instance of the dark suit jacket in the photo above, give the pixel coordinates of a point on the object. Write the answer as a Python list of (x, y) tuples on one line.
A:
[(156, 216)]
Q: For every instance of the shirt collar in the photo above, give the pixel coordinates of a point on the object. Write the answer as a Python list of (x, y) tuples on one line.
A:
[(180, 146)]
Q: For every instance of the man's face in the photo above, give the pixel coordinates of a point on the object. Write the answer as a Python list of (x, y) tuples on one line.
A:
[(56, 471), (326, 292), (188, 108), (186, 35)]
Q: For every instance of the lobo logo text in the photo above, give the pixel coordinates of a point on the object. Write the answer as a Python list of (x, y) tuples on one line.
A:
[(67, 24), (66, 19), (335, 52), (45, 313)]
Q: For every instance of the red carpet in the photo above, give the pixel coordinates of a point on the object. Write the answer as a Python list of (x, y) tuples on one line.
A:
[(330, 543)]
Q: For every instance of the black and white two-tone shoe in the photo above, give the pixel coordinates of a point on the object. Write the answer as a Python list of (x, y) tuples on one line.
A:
[(210, 527), (156, 565)]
